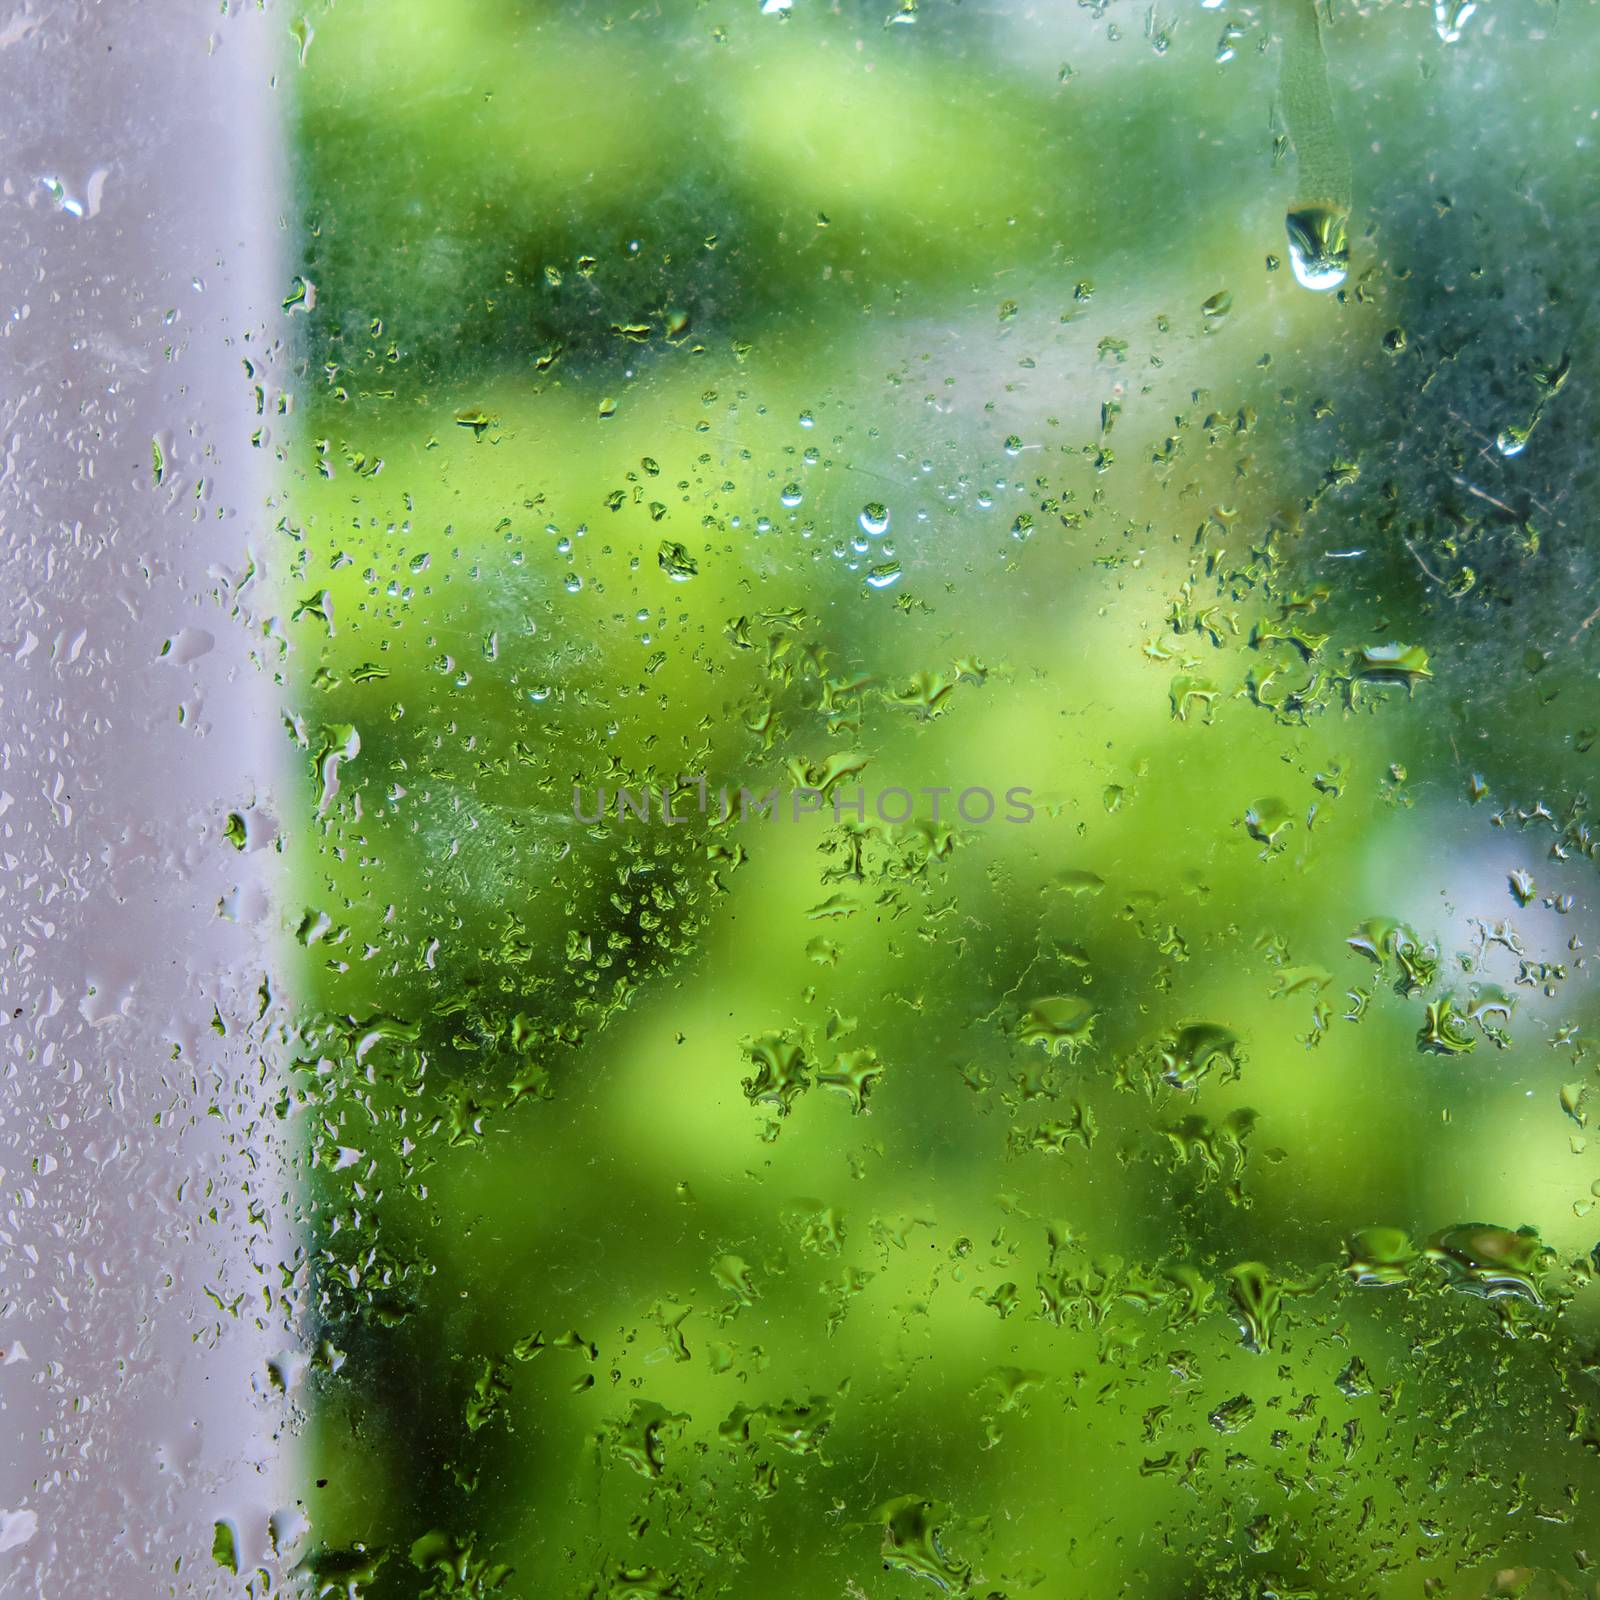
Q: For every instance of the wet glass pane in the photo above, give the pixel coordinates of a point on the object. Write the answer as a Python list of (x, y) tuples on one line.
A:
[(150, 1254), (913, 837)]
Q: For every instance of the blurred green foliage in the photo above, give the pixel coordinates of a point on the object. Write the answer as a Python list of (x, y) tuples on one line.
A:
[(825, 1207)]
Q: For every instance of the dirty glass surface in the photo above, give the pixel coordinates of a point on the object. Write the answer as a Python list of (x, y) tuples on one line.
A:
[(927, 860)]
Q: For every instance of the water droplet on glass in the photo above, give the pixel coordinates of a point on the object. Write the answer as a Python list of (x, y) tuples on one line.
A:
[(1450, 17), (676, 562), (1319, 246)]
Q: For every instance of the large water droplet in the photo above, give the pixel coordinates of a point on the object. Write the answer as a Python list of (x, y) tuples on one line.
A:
[(1319, 246)]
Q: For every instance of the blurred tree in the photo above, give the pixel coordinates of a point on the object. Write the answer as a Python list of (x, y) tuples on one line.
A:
[(808, 398)]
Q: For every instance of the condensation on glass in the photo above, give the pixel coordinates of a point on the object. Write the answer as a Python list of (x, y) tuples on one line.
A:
[(824, 824), (150, 1263)]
